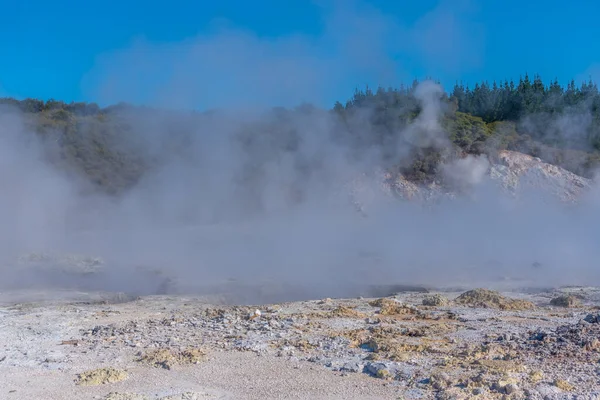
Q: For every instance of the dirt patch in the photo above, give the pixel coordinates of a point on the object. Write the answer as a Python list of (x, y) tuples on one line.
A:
[(100, 376), (168, 358), (484, 298)]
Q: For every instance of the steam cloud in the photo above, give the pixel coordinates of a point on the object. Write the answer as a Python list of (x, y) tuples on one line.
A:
[(204, 217)]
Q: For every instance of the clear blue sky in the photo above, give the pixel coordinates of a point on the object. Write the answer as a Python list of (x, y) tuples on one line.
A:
[(74, 50)]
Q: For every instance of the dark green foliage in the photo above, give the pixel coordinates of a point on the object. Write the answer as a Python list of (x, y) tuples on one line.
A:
[(468, 132), (559, 125), (424, 165)]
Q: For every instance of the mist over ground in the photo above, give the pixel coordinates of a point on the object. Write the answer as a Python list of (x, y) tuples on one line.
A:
[(217, 202)]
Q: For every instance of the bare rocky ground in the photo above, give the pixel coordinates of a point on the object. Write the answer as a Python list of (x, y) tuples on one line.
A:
[(542, 344), (513, 172)]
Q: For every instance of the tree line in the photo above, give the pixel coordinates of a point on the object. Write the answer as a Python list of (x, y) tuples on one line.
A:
[(560, 124)]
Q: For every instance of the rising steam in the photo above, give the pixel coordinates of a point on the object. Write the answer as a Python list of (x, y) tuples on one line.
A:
[(218, 207)]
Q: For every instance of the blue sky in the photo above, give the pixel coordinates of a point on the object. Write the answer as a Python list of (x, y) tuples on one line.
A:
[(202, 54)]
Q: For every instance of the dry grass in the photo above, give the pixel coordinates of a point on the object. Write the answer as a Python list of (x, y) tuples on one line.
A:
[(168, 358), (100, 376), (485, 298), (536, 376), (391, 343), (381, 302), (564, 385), (500, 366), (346, 312), (391, 307)]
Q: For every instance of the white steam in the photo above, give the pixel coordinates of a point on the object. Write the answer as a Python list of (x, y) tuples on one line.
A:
[(214, 209), (468, 171)]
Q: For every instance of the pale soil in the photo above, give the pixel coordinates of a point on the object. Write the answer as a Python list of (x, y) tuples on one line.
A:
[(37, 366), (328, 349), (226, 376)]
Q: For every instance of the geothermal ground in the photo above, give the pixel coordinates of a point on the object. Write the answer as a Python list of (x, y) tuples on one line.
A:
[(414, 344)]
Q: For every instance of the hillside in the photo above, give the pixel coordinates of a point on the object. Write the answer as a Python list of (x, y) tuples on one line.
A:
[(513, 173), (409, 132)]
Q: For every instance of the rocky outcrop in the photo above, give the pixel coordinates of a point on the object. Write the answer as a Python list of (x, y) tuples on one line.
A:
[(515, 173), (518, 171)]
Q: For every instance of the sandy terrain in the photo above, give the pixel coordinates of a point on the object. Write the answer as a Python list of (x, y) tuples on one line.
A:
[(478, 345)]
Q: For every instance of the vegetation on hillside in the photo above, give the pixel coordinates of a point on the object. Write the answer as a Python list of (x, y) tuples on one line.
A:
[(561, 125), (557, 124)]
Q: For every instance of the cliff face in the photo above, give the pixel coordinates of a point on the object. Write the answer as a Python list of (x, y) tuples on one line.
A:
[(518, 171), (515, 173)]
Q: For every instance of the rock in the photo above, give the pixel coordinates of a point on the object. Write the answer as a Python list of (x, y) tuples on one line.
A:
[(506, 385), (440, 381), (335, 365), (352, 367), (436, 300), (566, 300), (381, 370), (548, 391), (384, 374), (251, 345), (592, 318), (511, 388), (254, 314), (532, 394), (592, 344)]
